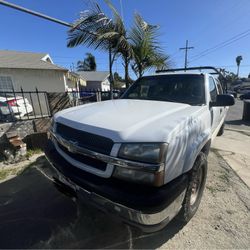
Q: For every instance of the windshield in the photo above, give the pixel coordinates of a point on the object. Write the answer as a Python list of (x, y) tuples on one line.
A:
[(181, 88)]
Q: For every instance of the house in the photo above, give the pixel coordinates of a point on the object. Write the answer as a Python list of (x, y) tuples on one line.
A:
[(34, 70), (28, 71), (95, 80)]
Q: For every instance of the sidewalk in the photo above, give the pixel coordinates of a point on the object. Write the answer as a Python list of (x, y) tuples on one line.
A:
[(234, 147)]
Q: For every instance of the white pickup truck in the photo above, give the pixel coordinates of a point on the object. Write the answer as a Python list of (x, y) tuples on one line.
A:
[(142, 157)]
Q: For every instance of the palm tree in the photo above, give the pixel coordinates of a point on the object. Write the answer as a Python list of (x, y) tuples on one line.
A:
[(95, 29), (88, 64), (117, 36), (146, 49), (238, 61), (89, 29)]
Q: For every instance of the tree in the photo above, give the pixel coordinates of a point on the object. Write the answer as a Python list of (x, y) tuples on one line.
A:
[(88, 30), (117, 35), (147, 53), (88, 64), (238, 61), (119, 81), (228, 79), (96, 30)]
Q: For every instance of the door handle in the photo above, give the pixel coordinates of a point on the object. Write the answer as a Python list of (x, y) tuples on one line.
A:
[(220, 110)]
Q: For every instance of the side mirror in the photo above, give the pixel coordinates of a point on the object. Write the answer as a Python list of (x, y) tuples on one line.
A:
[(223, 100)]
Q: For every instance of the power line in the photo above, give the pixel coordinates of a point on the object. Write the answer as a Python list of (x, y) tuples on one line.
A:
[(216, 24), (221, 45), (186, 52), (34, 13), (43, 16)]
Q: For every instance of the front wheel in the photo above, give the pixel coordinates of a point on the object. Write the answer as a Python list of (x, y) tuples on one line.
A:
[(197, 180)]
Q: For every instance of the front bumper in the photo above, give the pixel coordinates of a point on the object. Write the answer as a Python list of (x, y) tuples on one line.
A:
[(148, 208)]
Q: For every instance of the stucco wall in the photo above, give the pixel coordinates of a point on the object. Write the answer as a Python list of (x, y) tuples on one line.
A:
[(29, 79)]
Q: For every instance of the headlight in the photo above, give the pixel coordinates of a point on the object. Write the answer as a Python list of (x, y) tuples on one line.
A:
[(143, 152), (152, 154), (132, 175)]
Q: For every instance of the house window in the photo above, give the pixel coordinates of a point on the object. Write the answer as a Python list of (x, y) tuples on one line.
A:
[(6, 83)]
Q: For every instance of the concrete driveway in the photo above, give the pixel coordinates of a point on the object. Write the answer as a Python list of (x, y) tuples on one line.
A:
[(33, 214)]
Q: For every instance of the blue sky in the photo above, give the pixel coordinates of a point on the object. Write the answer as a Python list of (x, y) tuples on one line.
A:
[(204, 23)]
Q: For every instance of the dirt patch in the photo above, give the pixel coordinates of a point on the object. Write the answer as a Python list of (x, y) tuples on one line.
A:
[(10, 171), (223, 219)]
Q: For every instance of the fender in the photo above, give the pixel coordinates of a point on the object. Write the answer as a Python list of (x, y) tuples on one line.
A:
[(186, 142)]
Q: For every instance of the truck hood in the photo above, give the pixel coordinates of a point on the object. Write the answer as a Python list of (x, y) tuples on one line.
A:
[(128, 120)]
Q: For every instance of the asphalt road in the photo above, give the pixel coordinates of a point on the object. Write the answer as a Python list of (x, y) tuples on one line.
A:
[(234, 117), (33, 214)]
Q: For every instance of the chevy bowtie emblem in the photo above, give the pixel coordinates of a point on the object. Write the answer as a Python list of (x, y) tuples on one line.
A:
[(73, 142), (71, 146)]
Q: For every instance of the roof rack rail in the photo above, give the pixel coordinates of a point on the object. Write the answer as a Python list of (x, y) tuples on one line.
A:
[(215, 72)]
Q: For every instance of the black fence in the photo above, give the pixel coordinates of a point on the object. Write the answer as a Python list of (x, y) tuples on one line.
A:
[(85, 96), (30, 105), (23, 105)]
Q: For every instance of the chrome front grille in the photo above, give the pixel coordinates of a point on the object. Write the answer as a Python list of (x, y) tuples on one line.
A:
[(96, 143)]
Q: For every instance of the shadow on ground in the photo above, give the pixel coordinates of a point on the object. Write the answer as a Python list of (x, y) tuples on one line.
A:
[(33, 214), (238, 122)]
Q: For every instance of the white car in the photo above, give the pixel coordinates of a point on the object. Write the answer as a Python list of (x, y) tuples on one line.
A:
[(19, 105), (142, 157)]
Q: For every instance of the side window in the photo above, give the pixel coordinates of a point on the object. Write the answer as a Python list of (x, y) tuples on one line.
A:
[(212, 89), (219, 87)]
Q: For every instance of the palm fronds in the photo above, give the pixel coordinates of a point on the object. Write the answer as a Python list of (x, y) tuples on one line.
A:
[(146, 47)]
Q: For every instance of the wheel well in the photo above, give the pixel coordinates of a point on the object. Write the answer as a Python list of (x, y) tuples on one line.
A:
[(206, 148)]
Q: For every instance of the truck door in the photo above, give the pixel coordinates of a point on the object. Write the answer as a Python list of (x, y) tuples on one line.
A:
[(214, 111)]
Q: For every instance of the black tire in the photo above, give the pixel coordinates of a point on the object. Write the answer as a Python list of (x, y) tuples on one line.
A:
[(221, 131), (197, 180)]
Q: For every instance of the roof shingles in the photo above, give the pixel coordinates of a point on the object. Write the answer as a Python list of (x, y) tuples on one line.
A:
[(25, 60), (94, 76)]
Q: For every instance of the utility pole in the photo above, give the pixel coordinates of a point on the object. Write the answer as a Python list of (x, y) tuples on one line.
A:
[(186, 53)]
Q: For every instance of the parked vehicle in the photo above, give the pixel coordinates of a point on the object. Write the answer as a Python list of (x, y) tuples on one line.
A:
[(245, 96), (106, 95), (244, 90), (142, 157), (19, 105), (231, 92), (6, 112), (87, 94)]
